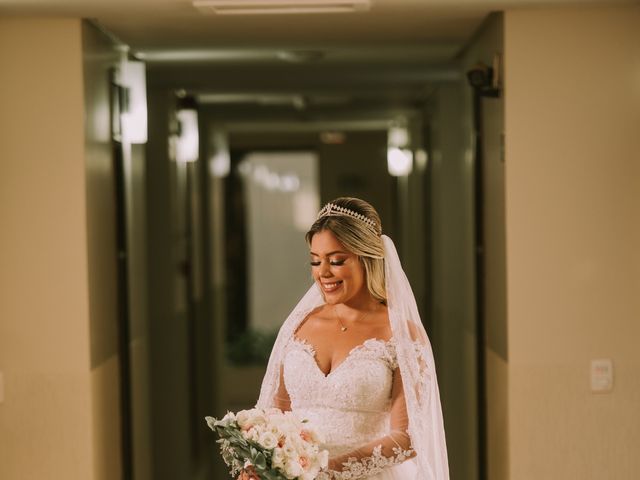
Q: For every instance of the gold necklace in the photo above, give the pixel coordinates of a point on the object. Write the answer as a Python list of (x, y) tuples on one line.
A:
[(343, 328)]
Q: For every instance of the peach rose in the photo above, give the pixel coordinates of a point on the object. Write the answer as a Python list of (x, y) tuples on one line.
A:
[(248, 474)]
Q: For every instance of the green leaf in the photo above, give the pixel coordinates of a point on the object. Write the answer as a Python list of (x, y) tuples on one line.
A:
[(259, 461)]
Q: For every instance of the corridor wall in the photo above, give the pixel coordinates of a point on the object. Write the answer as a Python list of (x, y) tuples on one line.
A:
[(60, 405), (46, 413), (572, 116)]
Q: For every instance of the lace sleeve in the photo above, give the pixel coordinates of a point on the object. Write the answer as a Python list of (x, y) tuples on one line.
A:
[(381, 453)]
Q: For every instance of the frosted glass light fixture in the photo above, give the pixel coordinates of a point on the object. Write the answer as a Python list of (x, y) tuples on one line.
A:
[(188, 143), (398, 136), (399, 161), (399, 155), (134, 119), (220, 162)]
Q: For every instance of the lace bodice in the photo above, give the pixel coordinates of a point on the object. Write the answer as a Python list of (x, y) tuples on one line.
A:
[(351, 405)]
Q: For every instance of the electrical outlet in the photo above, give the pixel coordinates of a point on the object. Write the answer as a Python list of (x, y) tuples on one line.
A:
[(601, 375)]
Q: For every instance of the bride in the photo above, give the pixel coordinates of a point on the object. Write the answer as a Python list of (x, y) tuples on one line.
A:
[(353, 357)]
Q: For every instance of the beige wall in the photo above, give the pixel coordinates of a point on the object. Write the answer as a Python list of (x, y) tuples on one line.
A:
[(46, 417), (573, 240), (58, 310)]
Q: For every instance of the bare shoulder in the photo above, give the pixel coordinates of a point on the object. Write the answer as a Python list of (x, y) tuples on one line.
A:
[(318, 318), (380, 323)]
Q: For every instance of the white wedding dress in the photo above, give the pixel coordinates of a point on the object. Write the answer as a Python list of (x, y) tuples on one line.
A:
[(357, 407), (381, 405)]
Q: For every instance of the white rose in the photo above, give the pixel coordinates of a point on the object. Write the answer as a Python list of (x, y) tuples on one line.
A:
[(268, 440), (278, 458), (293, 468), (253, 434), (242, 417), (289, 449), (229, 416), (276, 425), (247, 418)]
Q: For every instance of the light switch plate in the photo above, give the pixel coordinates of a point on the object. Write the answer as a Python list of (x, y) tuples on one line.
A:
[(601, 375)]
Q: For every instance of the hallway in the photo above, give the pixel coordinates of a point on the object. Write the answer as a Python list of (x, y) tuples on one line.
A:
[(160, 163)]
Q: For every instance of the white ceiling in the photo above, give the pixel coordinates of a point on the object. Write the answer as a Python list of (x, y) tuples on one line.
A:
[(396, 47), (159, 25)]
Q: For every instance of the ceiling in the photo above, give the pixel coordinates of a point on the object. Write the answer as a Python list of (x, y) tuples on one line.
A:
[(390, 53)]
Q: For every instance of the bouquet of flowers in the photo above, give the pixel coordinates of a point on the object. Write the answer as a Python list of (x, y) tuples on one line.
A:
[(269, 445)]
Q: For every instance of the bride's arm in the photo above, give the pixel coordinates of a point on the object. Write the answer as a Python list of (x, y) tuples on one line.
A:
[(282, 399), (393, 448)]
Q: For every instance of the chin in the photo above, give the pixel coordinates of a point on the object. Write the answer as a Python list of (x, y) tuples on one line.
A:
[(333, 298)]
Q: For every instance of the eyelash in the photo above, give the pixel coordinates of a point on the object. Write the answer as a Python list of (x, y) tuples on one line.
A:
[(337, 263)]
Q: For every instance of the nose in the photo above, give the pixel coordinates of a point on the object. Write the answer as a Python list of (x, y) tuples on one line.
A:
[(325, 269)]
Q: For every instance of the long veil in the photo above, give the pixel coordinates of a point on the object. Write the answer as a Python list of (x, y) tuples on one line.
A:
[(415, 360)]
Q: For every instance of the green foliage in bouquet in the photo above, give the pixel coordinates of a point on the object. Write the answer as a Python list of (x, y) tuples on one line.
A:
[(235, 450), (269, 445)]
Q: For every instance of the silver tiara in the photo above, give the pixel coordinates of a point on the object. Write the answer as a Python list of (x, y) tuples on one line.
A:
[(332, 209)]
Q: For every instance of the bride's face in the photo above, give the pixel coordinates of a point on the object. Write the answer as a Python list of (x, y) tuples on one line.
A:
[(339, 273)]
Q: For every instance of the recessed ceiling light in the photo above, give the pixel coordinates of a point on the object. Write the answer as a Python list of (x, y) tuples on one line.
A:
[(262, 7)]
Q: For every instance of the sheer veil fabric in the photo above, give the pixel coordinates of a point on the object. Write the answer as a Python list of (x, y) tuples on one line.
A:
[(414, 357)]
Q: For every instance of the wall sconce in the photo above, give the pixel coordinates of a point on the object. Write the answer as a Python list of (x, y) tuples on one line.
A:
[(188, 141), (399, 161), (220, 162), (134, 116), (399, 156)]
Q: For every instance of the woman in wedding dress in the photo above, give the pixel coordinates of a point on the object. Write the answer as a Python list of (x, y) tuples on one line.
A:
[(353, 357)]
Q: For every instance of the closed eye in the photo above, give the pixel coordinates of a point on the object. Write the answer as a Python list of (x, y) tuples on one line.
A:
[(335, 263)]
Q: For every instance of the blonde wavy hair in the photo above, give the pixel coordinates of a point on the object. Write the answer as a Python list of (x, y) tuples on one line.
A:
[(359, 238)]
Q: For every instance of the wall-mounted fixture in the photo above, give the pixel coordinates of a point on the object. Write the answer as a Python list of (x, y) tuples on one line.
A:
[(266, 7), (134, 115), (188, 139), (485, 80), (220, 161), (399, 161), (399, 154)]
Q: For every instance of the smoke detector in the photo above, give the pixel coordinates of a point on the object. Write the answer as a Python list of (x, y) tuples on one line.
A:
[(264, 7)]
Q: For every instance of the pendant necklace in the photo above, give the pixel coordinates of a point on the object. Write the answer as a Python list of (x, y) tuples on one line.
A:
[(343, 328)]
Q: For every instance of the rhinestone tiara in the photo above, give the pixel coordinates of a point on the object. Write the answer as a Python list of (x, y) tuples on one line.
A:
[(331, 209)]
